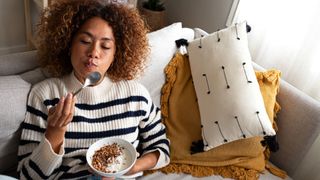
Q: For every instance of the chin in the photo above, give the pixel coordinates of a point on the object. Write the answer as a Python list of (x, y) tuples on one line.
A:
[(89, 69)]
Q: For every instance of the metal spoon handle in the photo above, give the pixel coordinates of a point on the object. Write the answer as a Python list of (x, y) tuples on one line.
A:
[(75, 93)]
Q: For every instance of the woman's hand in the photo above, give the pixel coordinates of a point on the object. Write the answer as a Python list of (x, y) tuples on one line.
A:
[(145, 162), (59, 117)]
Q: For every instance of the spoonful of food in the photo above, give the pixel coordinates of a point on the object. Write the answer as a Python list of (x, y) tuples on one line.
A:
[(91, 79)]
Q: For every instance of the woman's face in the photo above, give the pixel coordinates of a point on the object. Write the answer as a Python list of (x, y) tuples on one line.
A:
[(93, 48)]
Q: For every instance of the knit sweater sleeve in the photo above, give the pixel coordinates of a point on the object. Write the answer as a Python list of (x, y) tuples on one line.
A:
[(37, 160), (153, 133)]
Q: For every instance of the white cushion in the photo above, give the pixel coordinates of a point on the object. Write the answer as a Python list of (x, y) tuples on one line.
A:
[(162, 48), (230, 102), (198, 33)]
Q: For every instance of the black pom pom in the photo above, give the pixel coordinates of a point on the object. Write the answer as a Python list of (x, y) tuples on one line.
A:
[(196, 147), (248, 28), (181, 42), (271, 143)]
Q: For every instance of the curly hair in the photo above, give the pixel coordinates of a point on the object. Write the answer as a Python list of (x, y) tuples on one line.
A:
[(60, 22)]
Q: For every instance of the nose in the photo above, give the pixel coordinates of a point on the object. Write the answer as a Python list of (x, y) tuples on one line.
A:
[(93, 51)]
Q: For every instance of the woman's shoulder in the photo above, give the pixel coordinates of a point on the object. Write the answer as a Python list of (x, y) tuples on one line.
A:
[(133, 84), (46, 85)]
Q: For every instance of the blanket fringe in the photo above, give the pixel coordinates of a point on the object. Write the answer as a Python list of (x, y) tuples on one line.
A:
[(273, 169), (170, 71), (202, 171), (276, 171)]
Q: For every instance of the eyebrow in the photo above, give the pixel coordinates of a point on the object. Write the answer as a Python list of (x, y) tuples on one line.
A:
[(92, 36)]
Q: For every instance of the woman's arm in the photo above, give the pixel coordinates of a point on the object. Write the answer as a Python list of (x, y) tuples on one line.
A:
[(147, 161), (58, 119)]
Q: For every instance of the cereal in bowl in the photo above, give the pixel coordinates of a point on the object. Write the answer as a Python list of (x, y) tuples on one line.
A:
[(110, 159)]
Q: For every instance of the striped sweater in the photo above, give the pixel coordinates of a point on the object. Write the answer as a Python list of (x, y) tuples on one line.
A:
[(121, 109)]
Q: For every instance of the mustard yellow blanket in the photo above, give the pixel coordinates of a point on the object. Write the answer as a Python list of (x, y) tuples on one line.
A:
[(242, 159)]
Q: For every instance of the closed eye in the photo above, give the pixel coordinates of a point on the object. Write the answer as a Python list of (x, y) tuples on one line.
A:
[(104, 47), (85, 42)]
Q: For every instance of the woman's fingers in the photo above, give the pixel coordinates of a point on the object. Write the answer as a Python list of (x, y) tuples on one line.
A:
[(62, 114), (54, 112), (67, 111), (70, 113)]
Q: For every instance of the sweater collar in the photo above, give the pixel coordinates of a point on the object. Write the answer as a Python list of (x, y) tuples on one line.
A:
[(73, 84)]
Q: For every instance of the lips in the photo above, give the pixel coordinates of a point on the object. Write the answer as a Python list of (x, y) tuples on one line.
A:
[(91, 64)]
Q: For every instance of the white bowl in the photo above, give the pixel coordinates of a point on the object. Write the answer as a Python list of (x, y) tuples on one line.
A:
[(129, 153)]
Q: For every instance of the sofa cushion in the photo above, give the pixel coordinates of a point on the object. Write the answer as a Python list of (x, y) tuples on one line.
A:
[(162, 48), (18, 62), (34, 76), (181, 116), (230, 102), (13, 95)]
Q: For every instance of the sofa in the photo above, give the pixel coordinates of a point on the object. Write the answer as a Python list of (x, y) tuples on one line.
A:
[(298, 121)]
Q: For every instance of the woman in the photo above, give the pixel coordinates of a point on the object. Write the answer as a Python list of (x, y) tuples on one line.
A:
[(75, 39)]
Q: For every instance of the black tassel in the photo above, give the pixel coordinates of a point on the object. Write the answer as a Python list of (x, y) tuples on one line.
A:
[(181, 42), (196, 147), (271, 143), (248, 28)]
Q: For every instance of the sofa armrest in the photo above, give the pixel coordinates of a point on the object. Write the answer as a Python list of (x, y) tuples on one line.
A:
[(299, 126)]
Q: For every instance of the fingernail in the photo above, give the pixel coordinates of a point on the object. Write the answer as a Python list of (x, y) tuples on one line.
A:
[(69, 95)]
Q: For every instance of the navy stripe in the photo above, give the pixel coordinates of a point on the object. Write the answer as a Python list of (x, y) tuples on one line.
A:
[(163, 150), (157, 110), (20, 157), (36, 168), (51, 102), (67, 175), (24, 142), (81, 158), (149, 126), (154, 136), (36, 112), (61, 168), (100, 134), (75, 175), (25, 125), (145, 119), (110, 118), (112, 103), (151, 109), (154, 146), (25, 172)]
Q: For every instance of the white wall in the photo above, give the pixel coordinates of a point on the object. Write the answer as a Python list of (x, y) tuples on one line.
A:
[(12, 31), (209, 15)]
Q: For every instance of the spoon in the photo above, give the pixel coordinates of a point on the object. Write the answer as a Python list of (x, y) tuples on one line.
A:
[(91, 79)]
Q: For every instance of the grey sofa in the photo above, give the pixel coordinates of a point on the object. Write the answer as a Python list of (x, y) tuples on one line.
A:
[(298, 120)]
